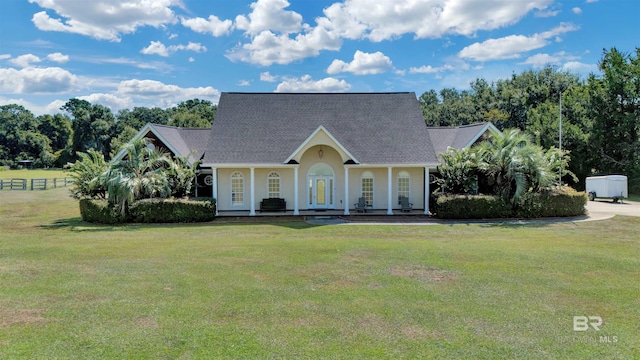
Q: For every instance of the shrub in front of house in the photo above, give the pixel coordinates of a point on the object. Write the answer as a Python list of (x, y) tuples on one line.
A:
[(172, 211), (149, 211), (100, 212), (566, 202), (456, 206), (555, 203)]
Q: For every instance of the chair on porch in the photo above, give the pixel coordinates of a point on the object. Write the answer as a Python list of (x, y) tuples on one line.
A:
[(362, 205), (405, 205)]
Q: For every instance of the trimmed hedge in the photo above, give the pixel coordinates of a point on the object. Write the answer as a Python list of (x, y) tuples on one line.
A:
[(453, 206), (530, 205), (172, 211), (149, 211), (551, 204), (99, 211)]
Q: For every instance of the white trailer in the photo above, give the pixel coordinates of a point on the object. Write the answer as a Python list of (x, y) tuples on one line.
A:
[(607, 186)]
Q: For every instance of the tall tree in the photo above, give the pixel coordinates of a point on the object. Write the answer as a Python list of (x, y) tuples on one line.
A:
[(193, 113), (615, 109), (20, 138), (93, 126)]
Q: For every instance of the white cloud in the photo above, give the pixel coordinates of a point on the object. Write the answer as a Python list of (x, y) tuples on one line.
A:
[(540, 60), (265, 76), (165, 95), (270, 15), (191, 59), (158, 48), (114, 101), (575, 66), (36, 80), (428, 69), (26, 60), (58, 57), (512, 46), (546, 13), (212, 25), (384, 20), (244, 83), (577, 10), (104, 19), (362, 64), (307, 84), (5, 56), (268, 48), (153, 65)]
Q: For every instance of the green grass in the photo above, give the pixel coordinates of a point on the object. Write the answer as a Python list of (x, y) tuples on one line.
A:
[(32, 174), (292, 290)]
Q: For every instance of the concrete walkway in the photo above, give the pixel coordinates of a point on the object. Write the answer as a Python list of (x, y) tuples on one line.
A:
[(596, 210)]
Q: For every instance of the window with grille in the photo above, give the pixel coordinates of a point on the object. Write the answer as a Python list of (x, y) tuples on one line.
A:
[(403, 185), (273, 185), (237, 189), (367, 187)]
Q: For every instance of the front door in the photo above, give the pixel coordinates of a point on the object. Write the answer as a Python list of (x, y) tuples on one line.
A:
[(321, 192)]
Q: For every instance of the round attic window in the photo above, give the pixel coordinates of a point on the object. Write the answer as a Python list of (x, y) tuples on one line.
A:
[(151, 147), (208, 180)]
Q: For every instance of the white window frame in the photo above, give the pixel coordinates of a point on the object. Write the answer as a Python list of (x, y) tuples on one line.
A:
[(274, 175), (237, 175), (400, 192), (368, 175)]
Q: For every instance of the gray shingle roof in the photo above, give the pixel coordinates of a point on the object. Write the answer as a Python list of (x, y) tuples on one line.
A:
[(190, 142), (457, 137), (266, 128)]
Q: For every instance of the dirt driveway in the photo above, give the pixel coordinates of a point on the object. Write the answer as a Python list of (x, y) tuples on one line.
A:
[(602, 209)]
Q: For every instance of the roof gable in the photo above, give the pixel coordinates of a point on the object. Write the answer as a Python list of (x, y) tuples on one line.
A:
[(321, 137), (189, 142), (458, 137)]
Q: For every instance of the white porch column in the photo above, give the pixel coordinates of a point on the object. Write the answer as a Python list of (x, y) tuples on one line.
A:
[(389, 191), (214, 187), (296, 210), (252, 208), (427, 192), (346, 190)]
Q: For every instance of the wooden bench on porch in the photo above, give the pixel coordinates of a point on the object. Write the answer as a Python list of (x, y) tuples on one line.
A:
[(273, 204)]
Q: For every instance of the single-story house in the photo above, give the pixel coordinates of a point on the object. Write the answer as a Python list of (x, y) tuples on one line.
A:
[(315, 151)]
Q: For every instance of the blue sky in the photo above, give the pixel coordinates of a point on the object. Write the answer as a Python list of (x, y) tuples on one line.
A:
[(127, 53)]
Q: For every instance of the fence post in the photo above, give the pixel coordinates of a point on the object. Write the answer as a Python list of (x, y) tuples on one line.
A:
[(32, 181)]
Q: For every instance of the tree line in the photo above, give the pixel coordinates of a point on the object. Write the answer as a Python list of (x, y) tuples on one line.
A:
[(600, 114), (600, 118), (55, 140)]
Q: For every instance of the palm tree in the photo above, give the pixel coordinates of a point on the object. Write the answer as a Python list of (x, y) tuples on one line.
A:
[(458, 170), (85, 173), (513, 164), (140, 174)]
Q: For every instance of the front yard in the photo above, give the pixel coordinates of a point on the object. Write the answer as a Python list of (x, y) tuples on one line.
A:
[(293, 290)]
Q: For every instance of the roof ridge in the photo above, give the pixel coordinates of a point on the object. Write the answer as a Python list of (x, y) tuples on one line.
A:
[(458, 126), (318, 93), (178, 127)]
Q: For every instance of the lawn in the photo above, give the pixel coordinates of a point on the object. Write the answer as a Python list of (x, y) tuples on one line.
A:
[(293, 290), (32, 174)]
